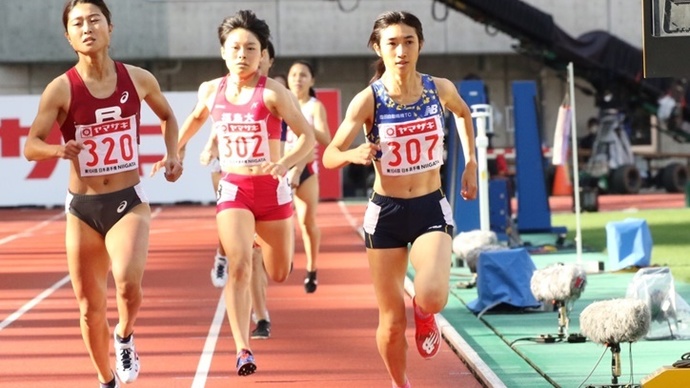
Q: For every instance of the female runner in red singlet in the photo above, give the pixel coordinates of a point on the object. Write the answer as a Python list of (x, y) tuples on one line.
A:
[(97, 105)]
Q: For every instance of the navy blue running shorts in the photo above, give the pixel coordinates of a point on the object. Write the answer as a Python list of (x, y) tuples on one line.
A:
[(396, 222)]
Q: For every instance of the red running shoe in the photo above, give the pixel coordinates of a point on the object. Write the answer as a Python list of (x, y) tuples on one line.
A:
[(427, 336)]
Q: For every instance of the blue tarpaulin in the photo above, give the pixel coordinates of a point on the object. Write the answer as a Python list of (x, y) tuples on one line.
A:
[(629, 243), (503, 278)]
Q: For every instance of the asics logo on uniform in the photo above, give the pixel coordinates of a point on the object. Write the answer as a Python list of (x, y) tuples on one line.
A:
[(122, 206), (436, 227), (430, 342), (124, 97)]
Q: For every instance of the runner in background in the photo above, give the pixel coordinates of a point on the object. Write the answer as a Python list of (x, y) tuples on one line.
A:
[(402, 113), (304, 177), (97, 105), (281, 79), (253, 194)]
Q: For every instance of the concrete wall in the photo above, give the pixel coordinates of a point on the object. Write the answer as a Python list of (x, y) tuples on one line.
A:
[(176, 40), (32, 31)]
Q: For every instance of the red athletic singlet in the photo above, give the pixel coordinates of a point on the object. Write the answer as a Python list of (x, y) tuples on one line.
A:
[(107, 127), (243, 130), (86, 109)]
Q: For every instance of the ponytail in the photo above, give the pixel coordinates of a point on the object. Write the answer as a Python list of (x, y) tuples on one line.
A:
[(379, 68)]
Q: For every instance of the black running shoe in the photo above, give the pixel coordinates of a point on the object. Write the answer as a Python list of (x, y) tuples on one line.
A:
[(262, 330), (310, 282)]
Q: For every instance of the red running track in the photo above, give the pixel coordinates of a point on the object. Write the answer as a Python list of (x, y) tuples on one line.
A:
[(324, 339)]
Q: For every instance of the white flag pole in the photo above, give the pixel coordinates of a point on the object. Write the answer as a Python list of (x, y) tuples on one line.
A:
[(576, 167)]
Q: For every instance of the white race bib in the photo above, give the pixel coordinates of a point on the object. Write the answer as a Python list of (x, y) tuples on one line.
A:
[(110, 147), (411, 147), (242, 144)]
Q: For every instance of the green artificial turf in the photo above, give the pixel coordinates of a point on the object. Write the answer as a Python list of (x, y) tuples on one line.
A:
[(670, 229)]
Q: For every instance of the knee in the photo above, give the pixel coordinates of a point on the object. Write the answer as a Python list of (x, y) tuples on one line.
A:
[(432, 301), (129, 290), (311, 228), (239, 271), (279, 276), (92, 310), (390, 331)]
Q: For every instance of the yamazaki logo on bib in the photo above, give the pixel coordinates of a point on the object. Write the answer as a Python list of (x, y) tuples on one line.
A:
[(105, 128), (408, 129), (109, 147), (250, 128)]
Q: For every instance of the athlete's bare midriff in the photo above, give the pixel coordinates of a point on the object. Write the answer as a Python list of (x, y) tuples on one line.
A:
[(274, 146), (101, 184), (407, 186)]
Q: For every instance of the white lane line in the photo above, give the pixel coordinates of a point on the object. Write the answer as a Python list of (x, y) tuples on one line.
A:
[(33, 302), (29, 232), (204, 365), (351, 220), (50, 290), (471, 358)]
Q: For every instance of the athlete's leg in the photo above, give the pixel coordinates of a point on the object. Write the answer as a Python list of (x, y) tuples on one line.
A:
[(215, 179), (88, 264), (236, 231), (128, 244), (388, 268), (258, 285), (430, 256), (306, 202), (277, 240)]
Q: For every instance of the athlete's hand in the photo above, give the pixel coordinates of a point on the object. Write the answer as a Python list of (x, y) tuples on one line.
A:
[(70, 150), (364, 153), (468, 189), (277, 170), (293, 177), (173, 169), (172, 166), (206, 156)]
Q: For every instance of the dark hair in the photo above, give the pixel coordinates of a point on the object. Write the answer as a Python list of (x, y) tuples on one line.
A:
[(70, 4), (271, 50), (247, 20), (309, 67), (388, 19), (592, 121)]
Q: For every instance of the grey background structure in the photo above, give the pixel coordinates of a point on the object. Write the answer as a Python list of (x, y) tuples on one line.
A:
[(177, 41)]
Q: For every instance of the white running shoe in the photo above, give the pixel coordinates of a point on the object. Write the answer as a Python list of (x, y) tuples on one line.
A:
[(126, 359), (219, 272)]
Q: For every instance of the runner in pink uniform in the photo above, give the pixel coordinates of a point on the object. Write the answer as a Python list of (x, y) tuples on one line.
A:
[(253, 194)]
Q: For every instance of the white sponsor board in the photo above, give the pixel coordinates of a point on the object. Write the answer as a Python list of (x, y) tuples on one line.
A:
[(24, 183)]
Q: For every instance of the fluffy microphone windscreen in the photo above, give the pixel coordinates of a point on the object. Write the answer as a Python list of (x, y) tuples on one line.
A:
[(615, 321), (564, 282)]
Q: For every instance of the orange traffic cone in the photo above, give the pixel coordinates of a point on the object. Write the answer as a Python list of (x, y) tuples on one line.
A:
[(561, 181)]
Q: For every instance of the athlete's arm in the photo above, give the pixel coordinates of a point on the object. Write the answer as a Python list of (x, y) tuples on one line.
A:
[(279, 99), (359, 113), (321, 130), (149, 91), (452, 101), (52, 107), (199, 115)]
